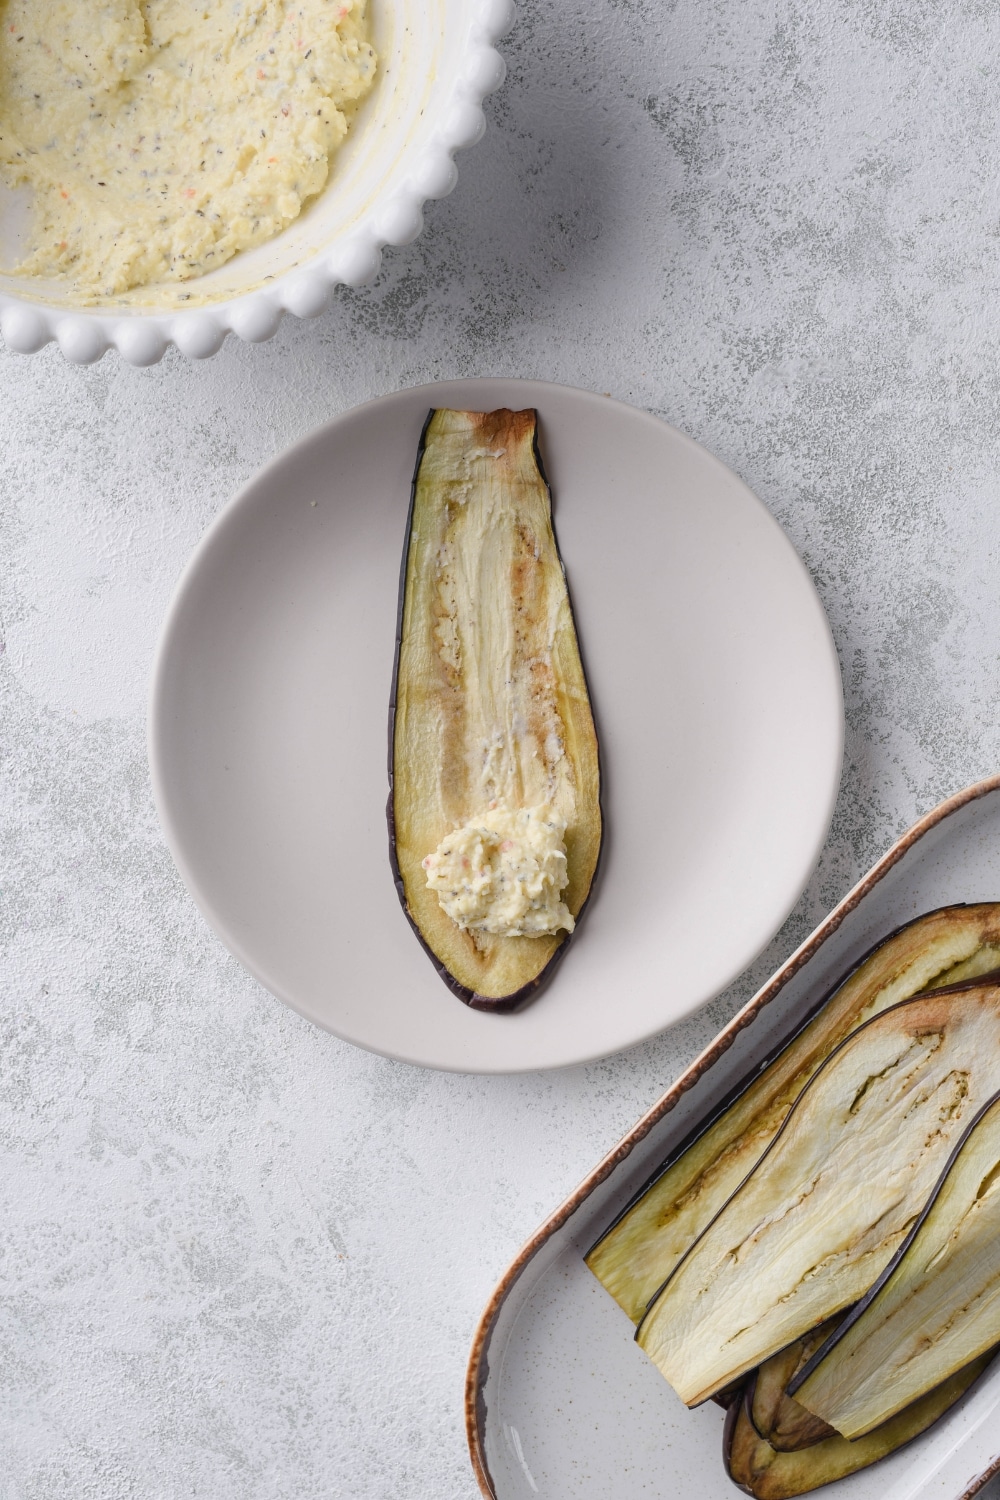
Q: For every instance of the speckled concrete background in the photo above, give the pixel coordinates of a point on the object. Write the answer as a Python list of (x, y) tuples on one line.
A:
[(240, 1260)]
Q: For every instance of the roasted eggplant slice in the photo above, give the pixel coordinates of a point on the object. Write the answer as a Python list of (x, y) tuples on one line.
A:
[(834, 1195), (638, 1252), (762, 1471), (729, 1394), (494, 808), (936, 1306), (777, 1417)]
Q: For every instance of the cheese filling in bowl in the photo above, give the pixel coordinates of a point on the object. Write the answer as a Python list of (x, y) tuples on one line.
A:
[(434, 61), (160, 138)]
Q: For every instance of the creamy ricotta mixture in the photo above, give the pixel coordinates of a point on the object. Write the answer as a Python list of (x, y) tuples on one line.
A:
[(504, 873), (160, 137)]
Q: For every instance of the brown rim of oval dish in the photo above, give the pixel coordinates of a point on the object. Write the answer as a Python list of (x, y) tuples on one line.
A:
[(983, 1479), (477, 1367)]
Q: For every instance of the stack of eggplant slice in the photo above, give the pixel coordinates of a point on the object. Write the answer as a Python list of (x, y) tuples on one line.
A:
[(823, 1254), (759, 1468)]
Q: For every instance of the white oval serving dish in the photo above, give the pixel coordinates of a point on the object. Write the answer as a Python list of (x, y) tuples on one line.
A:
[(560, 1401), (437, 62)]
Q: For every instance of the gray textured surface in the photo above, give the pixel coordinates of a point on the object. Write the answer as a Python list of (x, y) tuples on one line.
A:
[(241, 1260)]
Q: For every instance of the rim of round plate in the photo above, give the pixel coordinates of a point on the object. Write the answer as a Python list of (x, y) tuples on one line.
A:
[(563, 408)]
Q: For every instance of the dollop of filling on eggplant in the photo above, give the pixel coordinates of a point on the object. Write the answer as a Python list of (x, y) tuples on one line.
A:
[(504, 873)]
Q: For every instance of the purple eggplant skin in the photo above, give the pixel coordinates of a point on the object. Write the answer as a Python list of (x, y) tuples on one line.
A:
[(510, 1003), (752, 1074), (728, 1433), (728, 1394)]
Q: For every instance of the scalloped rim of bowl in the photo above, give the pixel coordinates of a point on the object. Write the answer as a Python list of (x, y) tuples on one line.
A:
[(142, 338)]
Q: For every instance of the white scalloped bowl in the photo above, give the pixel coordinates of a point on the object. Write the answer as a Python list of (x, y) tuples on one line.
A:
[(437, 62)]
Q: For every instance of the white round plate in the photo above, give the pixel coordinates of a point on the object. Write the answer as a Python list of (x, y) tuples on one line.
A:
[(716, 691)]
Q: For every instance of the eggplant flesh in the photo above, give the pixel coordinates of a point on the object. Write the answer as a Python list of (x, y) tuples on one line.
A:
[(639, 1251), (761, 1470), (834, 1195), (936, 1307), (490, 707), (777, 1417)]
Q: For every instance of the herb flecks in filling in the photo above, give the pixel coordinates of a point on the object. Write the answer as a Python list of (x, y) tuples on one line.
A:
[(504, 873), (160, 138)]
